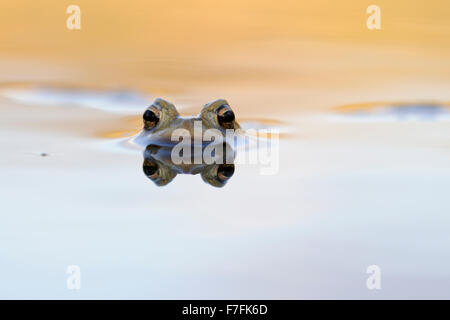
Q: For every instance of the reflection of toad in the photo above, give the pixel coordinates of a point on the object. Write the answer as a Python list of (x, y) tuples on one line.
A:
[(162, 118), (159, 167)]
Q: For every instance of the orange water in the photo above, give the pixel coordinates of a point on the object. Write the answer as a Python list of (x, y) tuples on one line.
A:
[(357, 184)]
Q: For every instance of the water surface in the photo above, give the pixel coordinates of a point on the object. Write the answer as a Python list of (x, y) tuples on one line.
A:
[(364, 168), (348, 194)]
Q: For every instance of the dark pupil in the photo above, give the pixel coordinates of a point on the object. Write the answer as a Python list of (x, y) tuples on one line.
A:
[(227, 117), (150, 116), (226, 169), (150, 169)]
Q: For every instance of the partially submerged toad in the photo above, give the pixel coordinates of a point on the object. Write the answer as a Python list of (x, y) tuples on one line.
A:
[(161, 119), (163, 127)]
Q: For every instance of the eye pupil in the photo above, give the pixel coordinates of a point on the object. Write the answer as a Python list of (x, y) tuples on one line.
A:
[(225, 171), (150, 116), (226, 117), (150, 169)]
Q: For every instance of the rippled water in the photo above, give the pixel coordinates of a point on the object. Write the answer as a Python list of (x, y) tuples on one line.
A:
[(356, 186)]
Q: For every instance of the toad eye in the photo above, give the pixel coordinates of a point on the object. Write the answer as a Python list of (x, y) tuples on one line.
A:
[(225, 117), (225, 171), (151, 169), (151, 118)]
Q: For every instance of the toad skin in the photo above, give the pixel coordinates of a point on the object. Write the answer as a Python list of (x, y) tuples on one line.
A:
[(161, 119)]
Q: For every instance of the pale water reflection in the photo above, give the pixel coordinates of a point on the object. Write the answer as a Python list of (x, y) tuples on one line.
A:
[(159, 166), (347, 196)]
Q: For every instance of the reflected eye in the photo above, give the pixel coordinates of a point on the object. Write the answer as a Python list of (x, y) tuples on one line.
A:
[(151, 118), (225, 171), (151, 169), (225, 117)]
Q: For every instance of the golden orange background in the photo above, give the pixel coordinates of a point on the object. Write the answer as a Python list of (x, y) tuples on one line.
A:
[(294, 55)]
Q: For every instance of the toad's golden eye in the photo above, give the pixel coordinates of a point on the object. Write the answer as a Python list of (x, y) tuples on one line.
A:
[(151, 169), (151, 118), (225, 117)]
